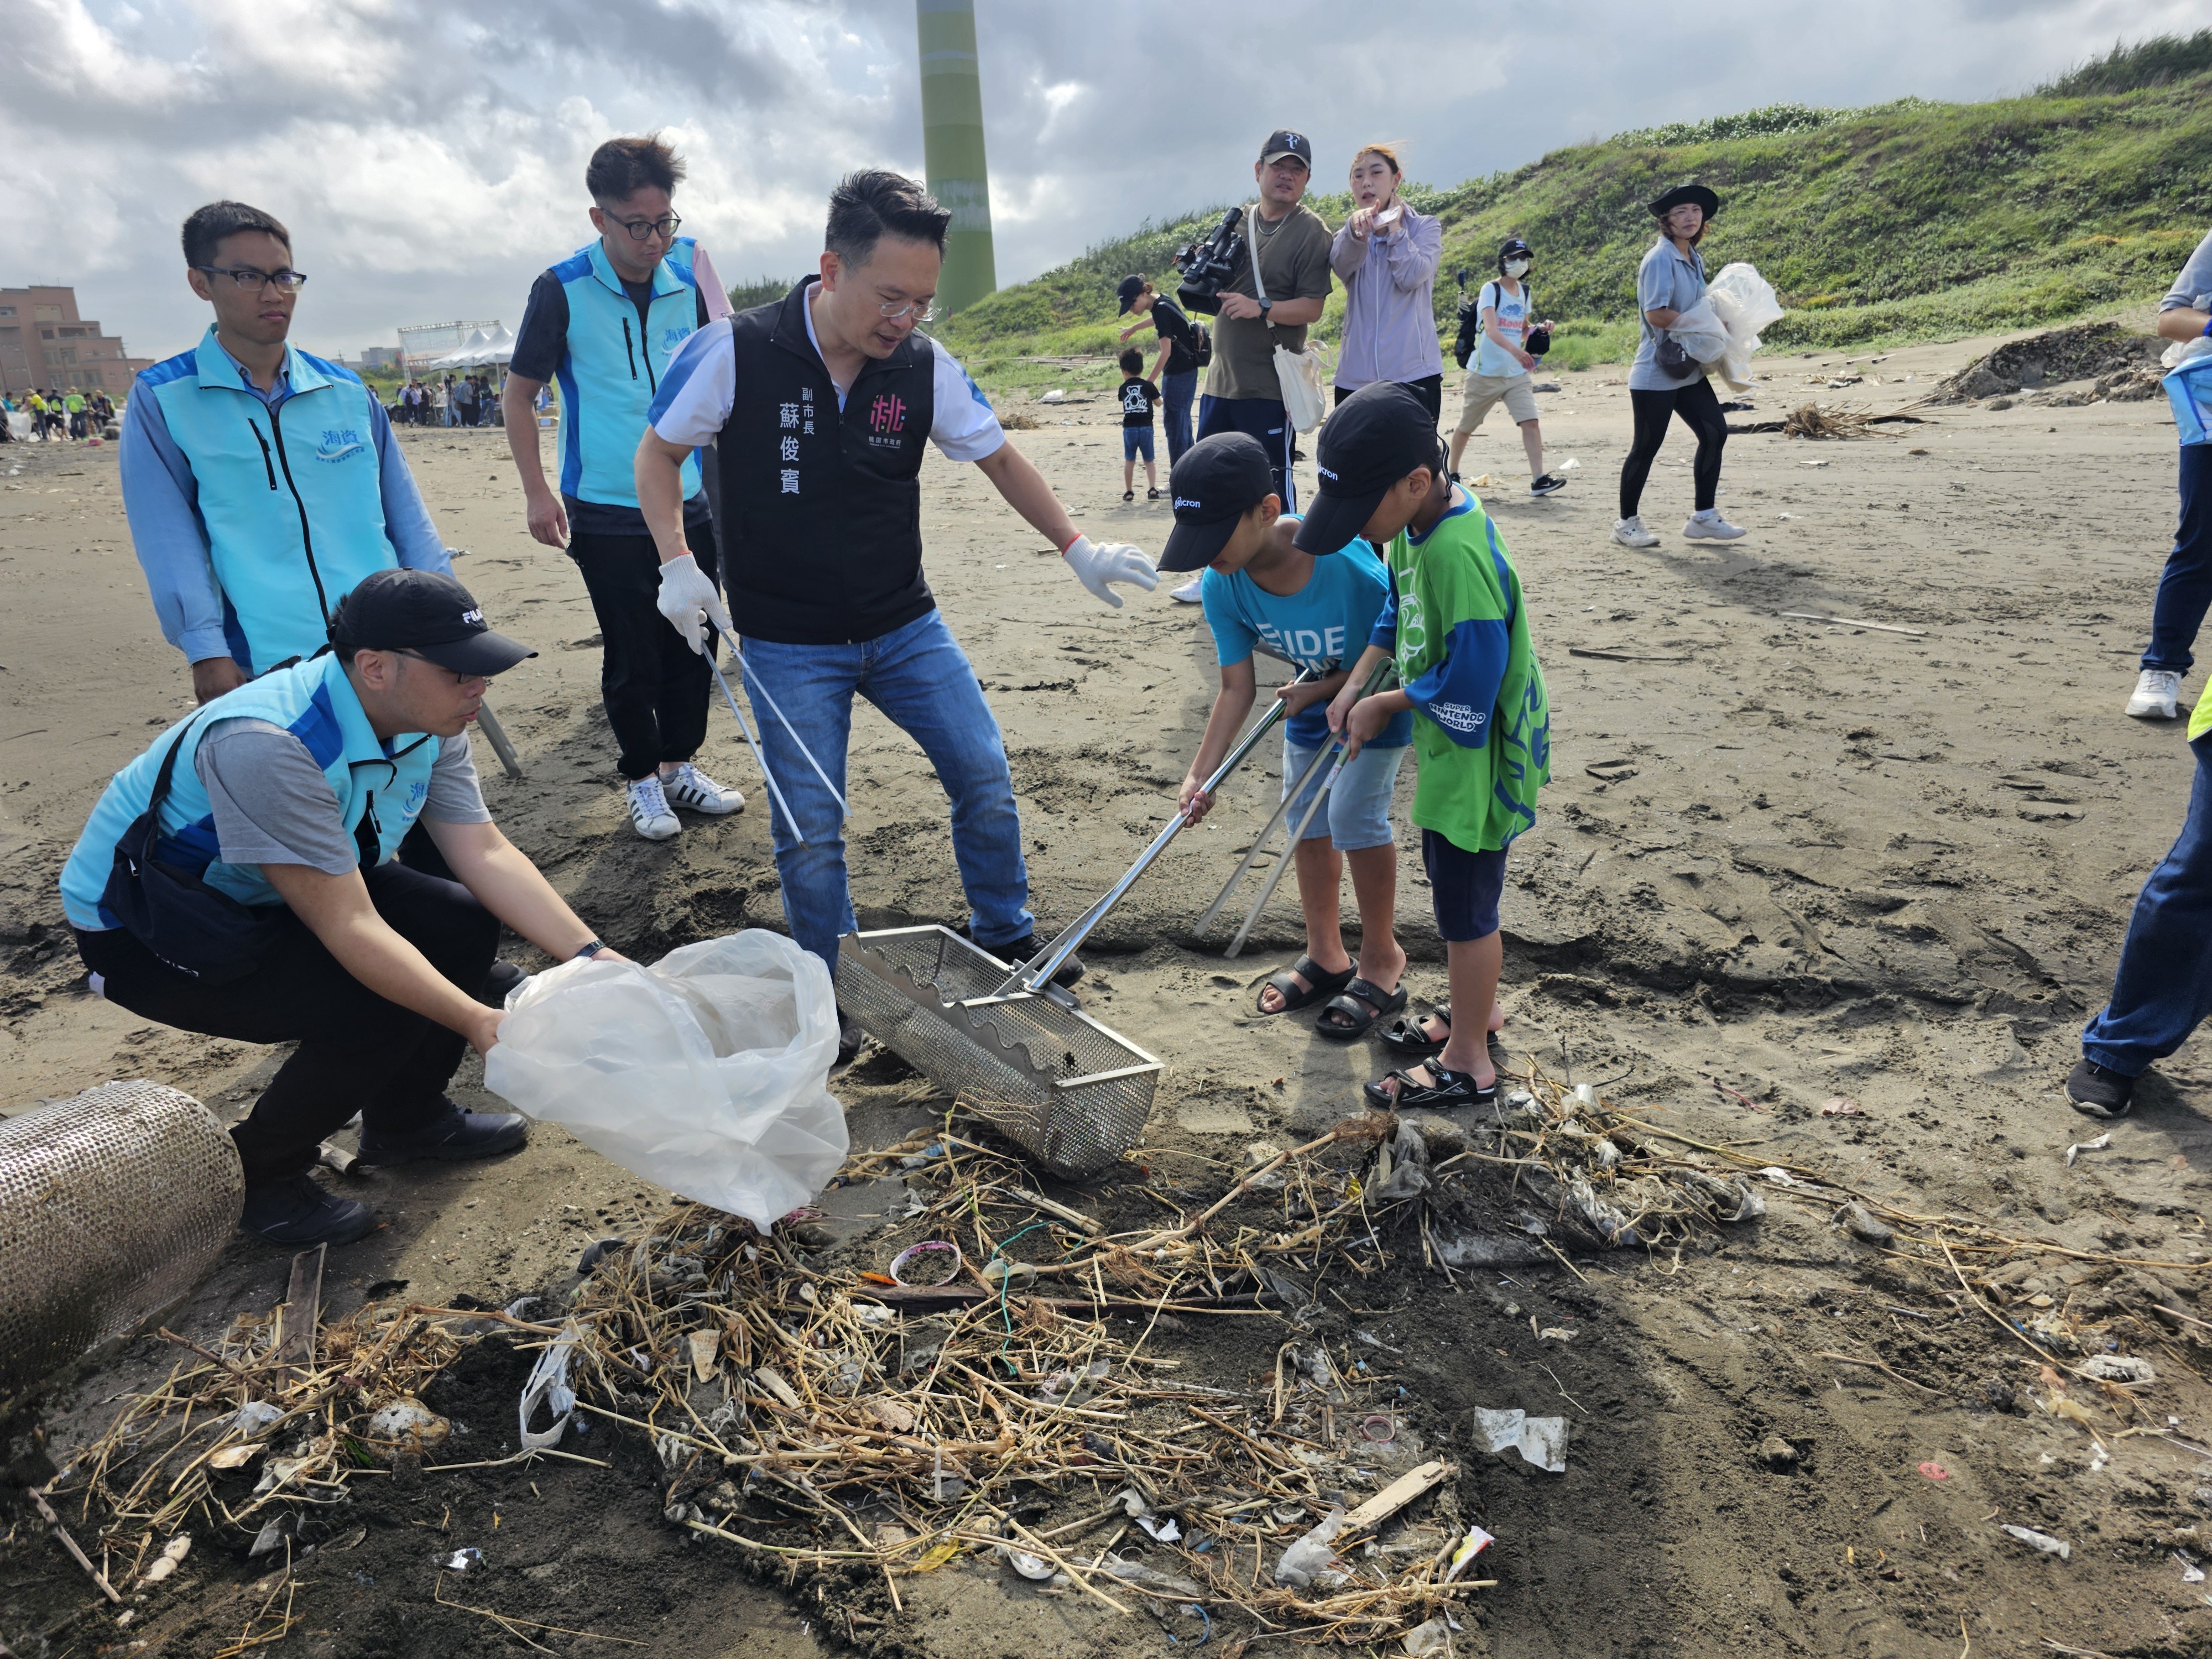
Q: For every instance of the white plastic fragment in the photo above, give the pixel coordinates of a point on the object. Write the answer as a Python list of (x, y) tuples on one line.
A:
[(255, 1416), (1541, 1440), (2118, 1368), (2041, 1540), (173, 1552), (2080, 1146), (1308, 1556), (1472, 1545), (1424, 1640), (549, 1384)]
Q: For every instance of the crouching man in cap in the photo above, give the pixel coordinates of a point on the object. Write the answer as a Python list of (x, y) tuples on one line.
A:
[(238, 879)]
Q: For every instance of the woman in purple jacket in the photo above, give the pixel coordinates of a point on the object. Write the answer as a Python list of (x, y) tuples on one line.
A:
[(1386, 255)]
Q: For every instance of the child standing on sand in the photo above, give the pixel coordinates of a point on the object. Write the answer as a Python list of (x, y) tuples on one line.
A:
[(1458, 631), (1259, 590), (1139, 399)]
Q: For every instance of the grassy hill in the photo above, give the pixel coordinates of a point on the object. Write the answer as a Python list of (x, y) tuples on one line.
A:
[(1910, 220)]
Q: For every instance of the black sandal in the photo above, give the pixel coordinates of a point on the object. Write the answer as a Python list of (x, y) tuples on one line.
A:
[(1451, 1088), (1129, 494), (1406, 1035), (1360, 1004), (1151, 495), (1320, 985)]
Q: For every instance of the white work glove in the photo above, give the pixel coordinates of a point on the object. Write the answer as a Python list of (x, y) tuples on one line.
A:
[(1117, 561), (684, 593)]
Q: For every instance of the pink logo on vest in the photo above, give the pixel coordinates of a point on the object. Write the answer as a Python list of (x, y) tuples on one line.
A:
[(887, 414)]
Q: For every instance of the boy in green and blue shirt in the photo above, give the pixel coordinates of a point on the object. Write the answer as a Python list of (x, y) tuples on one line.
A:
[(1457, 630)]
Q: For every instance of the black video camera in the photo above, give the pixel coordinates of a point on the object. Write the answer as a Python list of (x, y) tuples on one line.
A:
[(1206, 265)]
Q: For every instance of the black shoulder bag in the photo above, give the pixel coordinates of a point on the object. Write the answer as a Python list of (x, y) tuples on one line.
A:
[(192, 928)]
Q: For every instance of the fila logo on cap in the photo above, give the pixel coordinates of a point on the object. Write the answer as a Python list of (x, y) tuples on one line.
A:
[(474, 618)]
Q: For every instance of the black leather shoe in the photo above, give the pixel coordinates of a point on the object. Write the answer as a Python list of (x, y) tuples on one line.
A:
[(1021, 950), (2097, 1090), (504, 978), (849, 1038), (455, 1137), (299, 1210)]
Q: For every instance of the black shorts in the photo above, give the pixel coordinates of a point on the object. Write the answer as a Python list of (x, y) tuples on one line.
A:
[(1464, 886)]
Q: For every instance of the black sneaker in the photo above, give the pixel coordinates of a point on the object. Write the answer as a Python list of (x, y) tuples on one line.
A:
[(1546, 484), (2097, 1090), (849, 1038), (1015, 953), (455, 1137), (299, 1210), (504, 978)]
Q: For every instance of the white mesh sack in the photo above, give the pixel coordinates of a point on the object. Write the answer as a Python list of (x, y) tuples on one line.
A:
[(704, 1073)]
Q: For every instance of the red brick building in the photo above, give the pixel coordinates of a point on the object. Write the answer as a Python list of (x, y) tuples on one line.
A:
[(44, 343)]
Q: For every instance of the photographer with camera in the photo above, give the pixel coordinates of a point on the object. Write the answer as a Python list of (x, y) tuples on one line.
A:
[(1388, 256), (1288, 244), (1184, 350), (1506, 341)]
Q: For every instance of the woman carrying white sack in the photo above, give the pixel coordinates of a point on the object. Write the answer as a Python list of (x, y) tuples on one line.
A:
[(1666, 380)]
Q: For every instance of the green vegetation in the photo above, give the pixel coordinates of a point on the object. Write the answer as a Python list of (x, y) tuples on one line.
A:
[(1911, 220), (762, 290)]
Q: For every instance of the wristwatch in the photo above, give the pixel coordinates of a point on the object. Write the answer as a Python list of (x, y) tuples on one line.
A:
[(1266, 306), (589, 947)]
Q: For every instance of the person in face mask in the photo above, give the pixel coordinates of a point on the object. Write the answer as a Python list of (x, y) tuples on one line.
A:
[(1499, 370)]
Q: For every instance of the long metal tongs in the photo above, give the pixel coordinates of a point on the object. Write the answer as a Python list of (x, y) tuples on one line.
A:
[(745, 669), (1034, 976), (1335, 747)]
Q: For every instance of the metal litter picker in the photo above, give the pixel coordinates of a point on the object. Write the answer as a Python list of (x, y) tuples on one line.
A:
[(1011, 1045)]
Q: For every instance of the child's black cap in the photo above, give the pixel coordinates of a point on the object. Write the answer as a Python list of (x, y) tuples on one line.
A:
[(1218, 480), (1371, 440)]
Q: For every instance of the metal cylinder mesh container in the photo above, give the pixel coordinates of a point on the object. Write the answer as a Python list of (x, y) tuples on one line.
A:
[(113, 1205)]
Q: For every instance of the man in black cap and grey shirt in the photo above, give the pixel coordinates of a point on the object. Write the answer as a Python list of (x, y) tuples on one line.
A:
[(268, 906), (1291, 243)]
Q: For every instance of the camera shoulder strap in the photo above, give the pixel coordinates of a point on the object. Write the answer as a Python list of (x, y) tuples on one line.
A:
[(1252, 247)]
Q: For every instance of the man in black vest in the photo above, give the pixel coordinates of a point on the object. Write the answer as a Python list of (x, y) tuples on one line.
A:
[(821, 403)]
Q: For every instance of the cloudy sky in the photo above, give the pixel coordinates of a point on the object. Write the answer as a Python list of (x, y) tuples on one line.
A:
[(428, 157)]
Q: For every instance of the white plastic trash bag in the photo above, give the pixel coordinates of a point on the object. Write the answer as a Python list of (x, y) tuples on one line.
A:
[(1745, 303), (704, 1073), (1700, 332)]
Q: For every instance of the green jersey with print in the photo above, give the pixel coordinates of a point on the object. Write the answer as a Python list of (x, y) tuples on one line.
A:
[(1482, 737)]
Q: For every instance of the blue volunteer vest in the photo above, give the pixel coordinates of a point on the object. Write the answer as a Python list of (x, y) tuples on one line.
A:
[(385, 784), (291, 498), (612, 369)]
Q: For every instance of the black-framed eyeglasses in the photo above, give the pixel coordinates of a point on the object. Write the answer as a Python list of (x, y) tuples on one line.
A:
[(247, 277), (459, 678), (639, 229)]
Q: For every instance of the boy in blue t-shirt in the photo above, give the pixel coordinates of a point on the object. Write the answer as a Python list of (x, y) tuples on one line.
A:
[(1259, 590)]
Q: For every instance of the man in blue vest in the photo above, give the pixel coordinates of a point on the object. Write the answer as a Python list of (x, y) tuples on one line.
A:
[(820, 407), (603, 324), (238, 879), (262, 484)]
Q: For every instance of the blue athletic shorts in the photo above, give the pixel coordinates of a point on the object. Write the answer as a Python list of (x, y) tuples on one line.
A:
[(1356, 813), (1464, 887)]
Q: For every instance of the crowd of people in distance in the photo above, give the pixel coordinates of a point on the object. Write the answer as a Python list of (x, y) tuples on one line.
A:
[(453, 400), (55, 414)]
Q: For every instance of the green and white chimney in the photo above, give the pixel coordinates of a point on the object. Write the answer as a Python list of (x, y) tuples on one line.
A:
[(952, 148)]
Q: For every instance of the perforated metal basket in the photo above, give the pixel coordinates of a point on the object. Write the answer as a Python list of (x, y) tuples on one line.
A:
[(112, 1204), (1071, 1093)]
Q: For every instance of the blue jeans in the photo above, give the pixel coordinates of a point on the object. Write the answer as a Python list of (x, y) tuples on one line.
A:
[(1175, 393), (1266, 419), (919, 677), (2185, 592), (2162, 989)]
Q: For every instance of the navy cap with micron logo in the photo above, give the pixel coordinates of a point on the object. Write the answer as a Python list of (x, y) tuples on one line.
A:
[(427, 614), (1218, 480)]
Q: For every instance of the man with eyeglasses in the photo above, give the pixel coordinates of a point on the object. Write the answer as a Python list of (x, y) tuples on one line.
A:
[(262, 484), (283, 805), (820, 407), (603, 324)]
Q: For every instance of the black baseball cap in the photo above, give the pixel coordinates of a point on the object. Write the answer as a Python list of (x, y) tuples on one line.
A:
[(1372, 439), (1218, 480), (425, 613), (1130, 289), (1283, 141)]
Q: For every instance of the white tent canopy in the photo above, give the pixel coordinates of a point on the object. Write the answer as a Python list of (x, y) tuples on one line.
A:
[(480, 349)]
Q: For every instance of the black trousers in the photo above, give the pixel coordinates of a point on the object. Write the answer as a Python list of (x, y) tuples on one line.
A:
[(357, 1052), (1701, 412), (1430, 389), (654, 686)]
